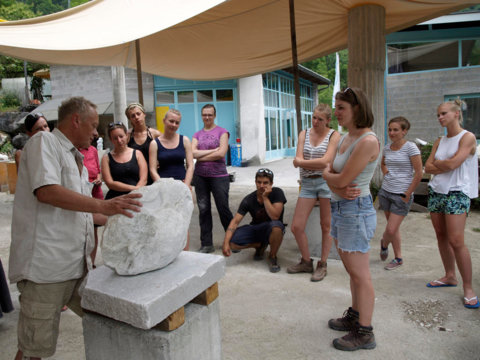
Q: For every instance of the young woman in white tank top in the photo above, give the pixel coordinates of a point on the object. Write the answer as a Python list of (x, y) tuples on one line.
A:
[(454, 163)]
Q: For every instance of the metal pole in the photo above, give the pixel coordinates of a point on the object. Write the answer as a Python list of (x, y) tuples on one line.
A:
[(296, 82), (27, 94), (139, 71)]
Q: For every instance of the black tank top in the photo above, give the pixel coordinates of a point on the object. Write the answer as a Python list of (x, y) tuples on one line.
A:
[(143, 148), (171, 162), (127, 173)]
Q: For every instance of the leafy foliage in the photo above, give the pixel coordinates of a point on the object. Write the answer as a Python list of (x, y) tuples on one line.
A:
[(9, 99)]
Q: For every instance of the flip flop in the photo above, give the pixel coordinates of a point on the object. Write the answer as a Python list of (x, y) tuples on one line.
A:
[(470, 306), (438, 283)]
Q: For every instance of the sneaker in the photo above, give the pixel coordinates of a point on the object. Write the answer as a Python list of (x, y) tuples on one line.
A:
[(206, 249), (273, 265), (320, 272), (346, 323), (361, 337), (383, 251), (260, 251), (395, 263), (302, 266)]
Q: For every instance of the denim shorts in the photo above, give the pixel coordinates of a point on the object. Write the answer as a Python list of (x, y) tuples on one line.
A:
[(453, 203), (354, 223), (255, 233), (315, 188), (393, 203)]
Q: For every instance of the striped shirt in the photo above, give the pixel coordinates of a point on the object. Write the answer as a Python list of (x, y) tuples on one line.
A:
[(310, 152), (400, 168)]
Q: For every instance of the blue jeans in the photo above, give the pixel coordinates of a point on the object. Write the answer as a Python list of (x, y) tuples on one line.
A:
[(255, 233), (218, 187), (354, 223)]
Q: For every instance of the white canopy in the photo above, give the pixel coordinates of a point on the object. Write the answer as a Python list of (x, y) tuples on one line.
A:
[(199, 39)]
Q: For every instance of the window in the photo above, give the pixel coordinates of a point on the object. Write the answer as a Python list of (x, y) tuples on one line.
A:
[(470, 52), (185, 96), (165, 97)]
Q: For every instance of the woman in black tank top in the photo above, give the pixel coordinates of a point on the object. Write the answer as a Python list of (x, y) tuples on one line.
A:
[(140, 136), (124, 169)]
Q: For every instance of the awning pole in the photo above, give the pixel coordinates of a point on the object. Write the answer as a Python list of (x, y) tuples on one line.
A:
[(296, 82), (139, 71)]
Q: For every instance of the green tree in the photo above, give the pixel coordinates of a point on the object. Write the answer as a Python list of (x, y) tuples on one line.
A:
[(12, 10)]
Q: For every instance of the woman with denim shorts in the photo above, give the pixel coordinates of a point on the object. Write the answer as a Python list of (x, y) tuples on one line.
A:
[(454, 164), (400, 160), (354, 218), (316, 148)]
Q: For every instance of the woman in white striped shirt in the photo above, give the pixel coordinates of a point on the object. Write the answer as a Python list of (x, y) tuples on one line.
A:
[(402, 169), (316, 148)]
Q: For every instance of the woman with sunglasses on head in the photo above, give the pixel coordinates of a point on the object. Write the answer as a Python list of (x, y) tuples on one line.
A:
[(400, 160), (316, 148), (123, 169), (33, 124), (209, 147), (140, 135), (354, 218), (171, 154), (454, 164)]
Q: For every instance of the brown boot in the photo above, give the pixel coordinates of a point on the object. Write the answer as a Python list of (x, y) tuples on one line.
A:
[(346, 323), (361, 337), (302, 266), (320, 272)]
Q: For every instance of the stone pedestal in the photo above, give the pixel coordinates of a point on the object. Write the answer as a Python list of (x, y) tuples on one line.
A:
[(123, 313), (314, 235)]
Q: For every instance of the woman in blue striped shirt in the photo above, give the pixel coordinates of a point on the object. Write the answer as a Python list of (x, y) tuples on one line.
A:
[(402, 171)]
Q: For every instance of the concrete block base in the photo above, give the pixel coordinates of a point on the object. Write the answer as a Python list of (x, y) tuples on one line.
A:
[(314, 235), (198, 338)]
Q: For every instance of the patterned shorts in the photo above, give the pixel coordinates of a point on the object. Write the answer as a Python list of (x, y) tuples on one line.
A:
[(453, 203)]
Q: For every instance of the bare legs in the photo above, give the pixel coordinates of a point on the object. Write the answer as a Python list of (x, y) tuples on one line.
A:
[(363, 295), (302, 212), (392, 233), (450, 237), (19, 356)]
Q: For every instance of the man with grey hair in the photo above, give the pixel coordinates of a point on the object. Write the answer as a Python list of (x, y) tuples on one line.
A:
[(52, 226)]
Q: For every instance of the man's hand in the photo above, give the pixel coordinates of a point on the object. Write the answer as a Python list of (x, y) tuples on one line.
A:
[(267, 191), (226, 249), (120, 205)]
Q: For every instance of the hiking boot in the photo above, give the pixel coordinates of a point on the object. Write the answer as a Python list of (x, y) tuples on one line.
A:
[(206, 249), (383, 251), (260, 251), (302, 266), (395, 263), (361, 337), (273, 265), (320, 272), (345, 323)]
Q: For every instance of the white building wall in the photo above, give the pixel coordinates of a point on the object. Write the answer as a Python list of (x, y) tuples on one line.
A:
[(252, 123)]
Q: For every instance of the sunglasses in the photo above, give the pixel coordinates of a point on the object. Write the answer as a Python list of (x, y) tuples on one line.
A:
[(266, 172), (353, 93), (115, 124)]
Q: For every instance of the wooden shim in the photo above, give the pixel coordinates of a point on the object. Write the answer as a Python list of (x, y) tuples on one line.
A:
[(208, 296), (173, 321)]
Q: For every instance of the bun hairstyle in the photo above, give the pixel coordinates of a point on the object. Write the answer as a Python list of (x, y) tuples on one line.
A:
[(457, 105), (325, 110), (404, 123)]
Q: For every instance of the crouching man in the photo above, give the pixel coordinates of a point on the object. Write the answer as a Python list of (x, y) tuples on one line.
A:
[(266, 206)]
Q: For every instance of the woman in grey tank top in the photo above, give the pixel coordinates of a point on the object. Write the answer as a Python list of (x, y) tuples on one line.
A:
[(354, 218)]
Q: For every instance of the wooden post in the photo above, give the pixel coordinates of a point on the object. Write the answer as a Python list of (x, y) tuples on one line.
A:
[(139, 71), (119, 94), (366, 62)]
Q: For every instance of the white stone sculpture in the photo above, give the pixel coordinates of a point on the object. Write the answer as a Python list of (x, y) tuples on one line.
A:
[(155, 236)]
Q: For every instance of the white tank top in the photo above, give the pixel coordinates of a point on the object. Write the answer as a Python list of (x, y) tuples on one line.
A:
[(464, 178)]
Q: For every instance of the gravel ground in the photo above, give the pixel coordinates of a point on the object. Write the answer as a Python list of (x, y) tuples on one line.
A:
[(283, 316)]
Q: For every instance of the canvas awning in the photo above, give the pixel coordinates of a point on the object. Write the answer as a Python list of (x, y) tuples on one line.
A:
[(199, 39)]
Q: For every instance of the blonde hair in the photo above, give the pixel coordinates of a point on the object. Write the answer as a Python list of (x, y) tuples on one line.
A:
[(457, 105), (134, 105), (324, 109), (173, 111)]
